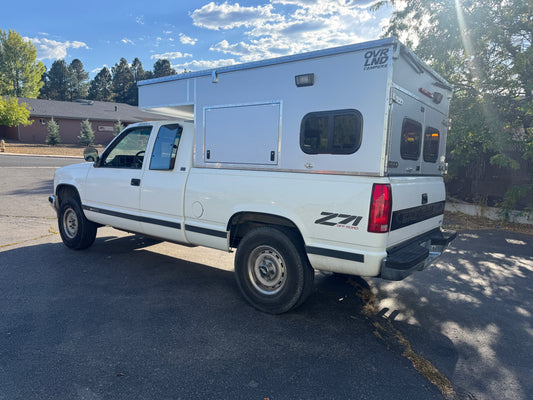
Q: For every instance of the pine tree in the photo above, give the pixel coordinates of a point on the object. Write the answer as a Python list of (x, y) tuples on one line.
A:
[(86, 134), (117, 128), (20, 72), (122, 82), (53, 137), (78, 85), (100, 86), (163, 68), (57, 82), (137, 70)]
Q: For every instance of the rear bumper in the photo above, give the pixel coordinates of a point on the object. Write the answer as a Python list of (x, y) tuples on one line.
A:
[(416, 254)]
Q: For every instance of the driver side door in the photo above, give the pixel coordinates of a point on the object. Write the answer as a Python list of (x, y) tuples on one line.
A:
[(112, 187)]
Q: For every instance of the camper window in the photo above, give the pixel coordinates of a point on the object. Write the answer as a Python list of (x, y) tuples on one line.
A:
[(431, 145), (331, 132), (411, 138)]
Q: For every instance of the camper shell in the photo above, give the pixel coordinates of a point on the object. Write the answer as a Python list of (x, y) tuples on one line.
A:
[(264, 107)]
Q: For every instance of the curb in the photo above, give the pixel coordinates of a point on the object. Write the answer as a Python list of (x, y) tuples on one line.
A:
[(39, 155)]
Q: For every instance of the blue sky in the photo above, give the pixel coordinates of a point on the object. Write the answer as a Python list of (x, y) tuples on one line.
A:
[(193, 34)]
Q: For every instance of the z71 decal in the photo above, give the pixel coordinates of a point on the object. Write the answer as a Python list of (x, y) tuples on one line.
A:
[(339, 220)]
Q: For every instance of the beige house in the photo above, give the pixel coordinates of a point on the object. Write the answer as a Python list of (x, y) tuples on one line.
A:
[(102, 115)]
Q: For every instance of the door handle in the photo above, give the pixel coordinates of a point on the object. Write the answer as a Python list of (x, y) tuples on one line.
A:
[(135, 182)]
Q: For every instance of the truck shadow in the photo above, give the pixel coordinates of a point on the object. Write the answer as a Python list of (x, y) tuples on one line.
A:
[(121, 308)]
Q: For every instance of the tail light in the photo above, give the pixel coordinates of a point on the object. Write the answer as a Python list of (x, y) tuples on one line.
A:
[(380, 208)]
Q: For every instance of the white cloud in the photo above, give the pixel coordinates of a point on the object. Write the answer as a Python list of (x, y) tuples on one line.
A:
[(199, 65), (187, 40), (229, 16), (53, 49), (96, 70), (170, 55), (140, 19), (291, 26), (127, 41)]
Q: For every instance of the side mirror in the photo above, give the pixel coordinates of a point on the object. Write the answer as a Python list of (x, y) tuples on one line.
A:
[(90, 154)]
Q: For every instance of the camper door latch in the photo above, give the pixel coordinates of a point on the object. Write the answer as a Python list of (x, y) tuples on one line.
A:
[(308, 165), (396, 99)]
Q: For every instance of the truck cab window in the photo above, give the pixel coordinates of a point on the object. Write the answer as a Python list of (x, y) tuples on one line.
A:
[(166, 147), (411, 139), (431, 145), (331, 132), (128, 151)]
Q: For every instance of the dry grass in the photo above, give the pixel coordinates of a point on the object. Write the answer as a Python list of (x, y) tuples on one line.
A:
[(70, 150), (462, 222)]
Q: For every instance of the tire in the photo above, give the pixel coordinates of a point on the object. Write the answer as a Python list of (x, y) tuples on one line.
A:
[(272, 270), (76, 231)]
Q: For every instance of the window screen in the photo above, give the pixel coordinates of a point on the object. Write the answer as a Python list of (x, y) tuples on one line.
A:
[(411, 138), (431, 145), (166, 147), (331, 132)]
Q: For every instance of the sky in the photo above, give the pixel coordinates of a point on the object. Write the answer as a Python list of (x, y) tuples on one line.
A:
[(193, 34)]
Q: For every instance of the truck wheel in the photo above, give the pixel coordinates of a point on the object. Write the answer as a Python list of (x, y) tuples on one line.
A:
[(76, 231), (272, 270)]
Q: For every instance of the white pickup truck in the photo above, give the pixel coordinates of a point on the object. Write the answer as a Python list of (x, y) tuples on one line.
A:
[(330, 160)]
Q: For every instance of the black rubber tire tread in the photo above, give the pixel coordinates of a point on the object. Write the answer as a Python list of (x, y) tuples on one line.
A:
[(300, 274), (86, 233)]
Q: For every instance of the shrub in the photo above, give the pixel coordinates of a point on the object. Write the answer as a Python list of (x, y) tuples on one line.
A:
[(52, 129), (86, 134)]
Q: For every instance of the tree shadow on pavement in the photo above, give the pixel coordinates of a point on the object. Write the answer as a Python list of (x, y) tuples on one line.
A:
[(479, 295)]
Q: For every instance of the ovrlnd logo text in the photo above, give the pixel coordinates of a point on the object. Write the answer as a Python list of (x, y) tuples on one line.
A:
[(339, 220), (375, 59)]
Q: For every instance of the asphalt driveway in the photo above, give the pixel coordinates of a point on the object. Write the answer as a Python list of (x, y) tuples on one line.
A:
[(132, 318)]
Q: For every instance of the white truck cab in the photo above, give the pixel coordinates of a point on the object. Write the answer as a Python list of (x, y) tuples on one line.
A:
[(330, 160)]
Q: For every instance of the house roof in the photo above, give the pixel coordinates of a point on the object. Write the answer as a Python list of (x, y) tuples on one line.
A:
[(87, 109)]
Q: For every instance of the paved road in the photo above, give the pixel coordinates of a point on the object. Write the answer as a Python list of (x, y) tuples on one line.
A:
[(131, 318)]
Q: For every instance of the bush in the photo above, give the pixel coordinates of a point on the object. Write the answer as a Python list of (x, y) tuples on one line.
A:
[(53, 137), (117, 128), (86, 134)]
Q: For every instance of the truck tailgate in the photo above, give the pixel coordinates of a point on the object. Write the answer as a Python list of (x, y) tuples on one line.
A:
[(417, 207)]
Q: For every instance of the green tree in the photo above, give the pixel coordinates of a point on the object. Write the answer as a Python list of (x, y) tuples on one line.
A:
[(12, 113), (52, 129), (20, 72), (137, 70), (163, 68), (86, 133), (57, 82), (484, 49), (138, 74), (122, 82), (117, 128), (79, 78), (100, 86)]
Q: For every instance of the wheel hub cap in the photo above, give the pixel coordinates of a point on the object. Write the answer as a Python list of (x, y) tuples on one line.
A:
[(267, 270)]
